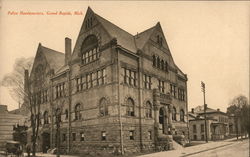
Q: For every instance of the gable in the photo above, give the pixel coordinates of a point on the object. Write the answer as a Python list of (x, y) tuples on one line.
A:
[(47, 60)]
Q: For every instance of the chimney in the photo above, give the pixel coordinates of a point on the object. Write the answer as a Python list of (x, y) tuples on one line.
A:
[(192, 110), (67, 50), (218, 109)]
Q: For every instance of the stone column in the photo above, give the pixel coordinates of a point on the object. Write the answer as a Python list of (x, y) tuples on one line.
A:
[(170, 110)]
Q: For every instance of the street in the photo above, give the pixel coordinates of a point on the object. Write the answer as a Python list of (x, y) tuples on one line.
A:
[(225, 148), (238, 149)]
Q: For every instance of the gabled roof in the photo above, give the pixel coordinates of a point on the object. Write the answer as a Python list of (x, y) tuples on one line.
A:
[(124, 38), (143, 37), (54, 58)]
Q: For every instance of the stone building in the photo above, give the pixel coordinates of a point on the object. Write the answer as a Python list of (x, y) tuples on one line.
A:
[(217, 124), (113, 91)]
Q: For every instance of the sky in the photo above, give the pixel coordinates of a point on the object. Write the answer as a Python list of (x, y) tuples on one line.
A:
[(209, 41)]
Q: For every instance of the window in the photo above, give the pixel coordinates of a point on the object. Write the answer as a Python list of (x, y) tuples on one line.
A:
[(77, 112), (182, 115), (131, 135), (158, 63), (202, 137), (103, 135), (162, 65), (159, 40), (91, 80), (58, 115), (64, 138), (195, 137), (103, 107), (46, 117), (66, 114), (181, 94), (166, 66), (161, 86), (82, 136), (174, 114), (147, 81), (148, 110), (60, 90), (194, 129), (154, 61), (89, 50), (129, 77), (202, 128), (173, 90), (73, 136), (101, 77), (150, 135), (130, 107)]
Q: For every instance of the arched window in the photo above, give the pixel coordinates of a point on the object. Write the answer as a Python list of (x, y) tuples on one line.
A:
[(58, 115), (148, 110), (77, 112), (158, 62), (89, 49), (46, 117), (166, 66), (174, 114), (162, 65), (182, 115), (130, 107), (103, 107), (154, 60)]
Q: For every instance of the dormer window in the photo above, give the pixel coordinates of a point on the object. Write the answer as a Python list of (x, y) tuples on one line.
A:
[(90, 49)]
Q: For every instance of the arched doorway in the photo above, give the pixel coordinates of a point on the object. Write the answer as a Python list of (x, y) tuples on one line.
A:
[(46, 142)]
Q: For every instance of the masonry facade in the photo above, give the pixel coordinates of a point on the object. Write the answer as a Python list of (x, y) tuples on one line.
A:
[(114, 91)]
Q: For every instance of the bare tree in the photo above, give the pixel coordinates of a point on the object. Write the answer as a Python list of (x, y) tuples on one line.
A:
[(14, 81), (239, 106), (27, 91)]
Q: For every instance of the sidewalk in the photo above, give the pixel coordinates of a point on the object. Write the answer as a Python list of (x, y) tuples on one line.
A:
[(193, 149), (49, 155)]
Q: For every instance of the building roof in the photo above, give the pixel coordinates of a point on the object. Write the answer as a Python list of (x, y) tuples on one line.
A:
[(143, 37), (124, 38), (54, 58), (209, 111)]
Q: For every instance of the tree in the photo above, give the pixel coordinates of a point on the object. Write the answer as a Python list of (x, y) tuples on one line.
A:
[(27, 91), (14, 81), (239, 106)]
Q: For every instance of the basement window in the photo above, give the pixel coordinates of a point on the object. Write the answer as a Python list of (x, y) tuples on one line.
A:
[(131, 135)]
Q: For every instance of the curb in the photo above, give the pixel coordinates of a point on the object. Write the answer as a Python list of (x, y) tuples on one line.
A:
[(206, 150)]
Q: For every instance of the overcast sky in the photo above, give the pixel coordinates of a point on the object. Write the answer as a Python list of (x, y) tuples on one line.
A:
[(209, 41)]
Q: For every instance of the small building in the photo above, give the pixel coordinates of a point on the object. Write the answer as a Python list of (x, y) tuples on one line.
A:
[(217, 124), (7, 122)]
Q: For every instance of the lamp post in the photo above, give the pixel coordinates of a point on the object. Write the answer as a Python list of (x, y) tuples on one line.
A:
[(203, 89)]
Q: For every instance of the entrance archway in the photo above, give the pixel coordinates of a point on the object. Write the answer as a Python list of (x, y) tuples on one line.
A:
[(46, 142)]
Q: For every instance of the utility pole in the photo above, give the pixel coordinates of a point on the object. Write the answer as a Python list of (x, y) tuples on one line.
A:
[(203, 89)]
